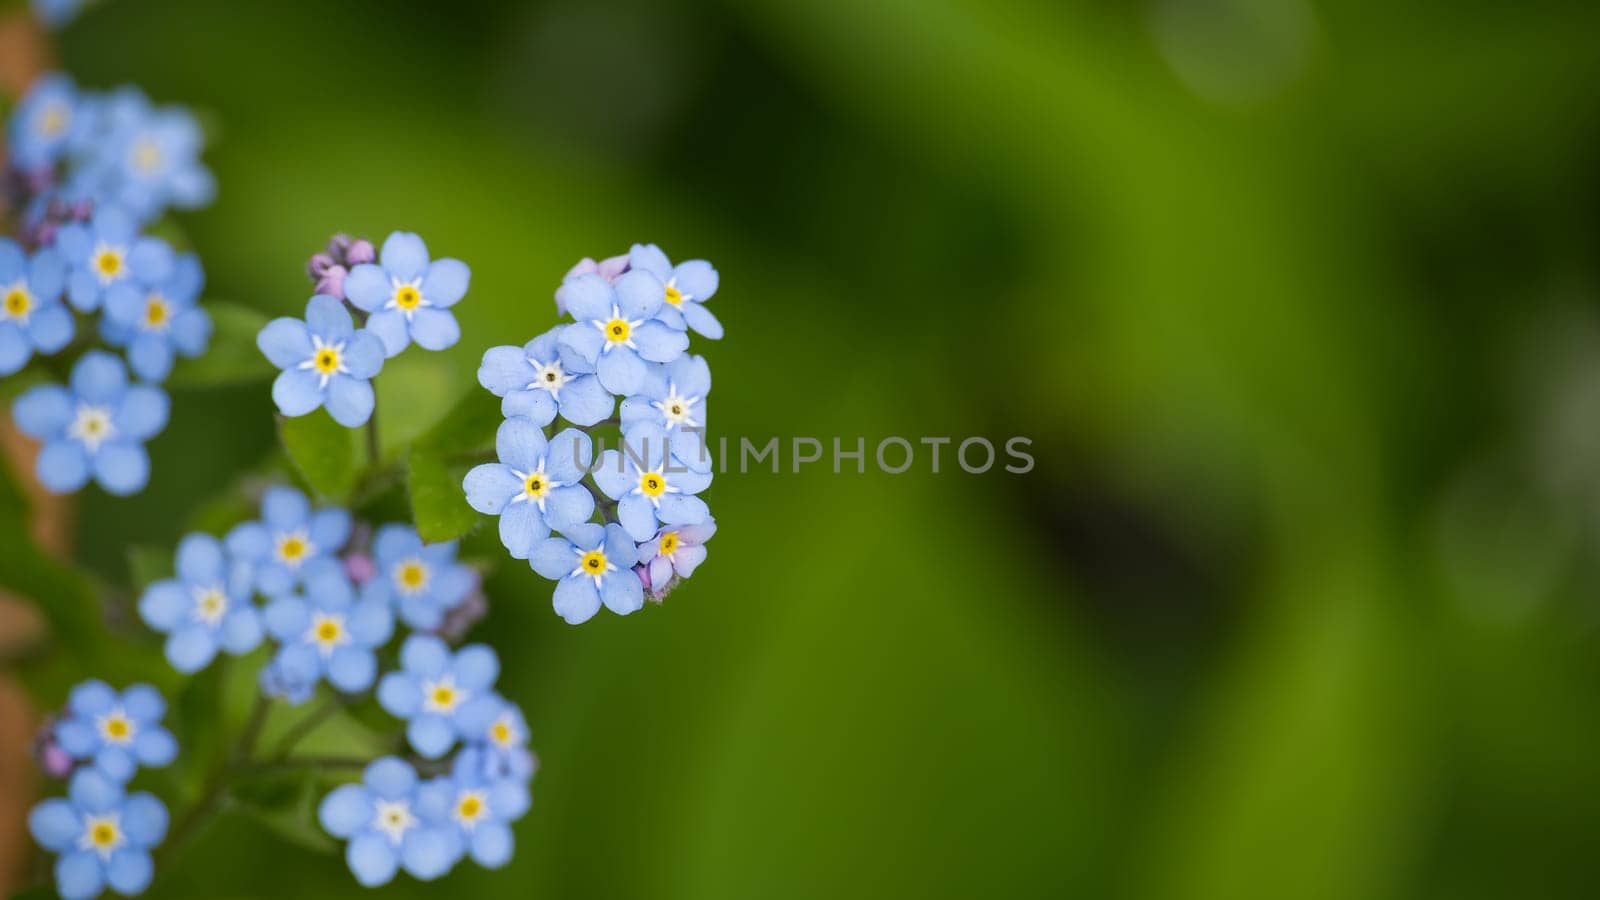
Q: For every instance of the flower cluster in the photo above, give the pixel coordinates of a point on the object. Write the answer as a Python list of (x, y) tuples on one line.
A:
[(627, 523), (102, 834), (88, 173), (401, 295)]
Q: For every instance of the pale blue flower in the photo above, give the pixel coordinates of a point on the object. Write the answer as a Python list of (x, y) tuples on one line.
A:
[(616, 330), (106, 251), (148, 158), (324, 632), (326, 361), (409, 297), (675, 551), (479, 808), (32, 317), (419, 581), (535, 486), (674, 399), (289, 536), (501, 751), (207, 607), (117, 732), (46, 124), (97, 427), (442, 696), (381, 819), (685, 288), (539, 380), (156, 322), (103, 836), (591, 565), (651, 484)]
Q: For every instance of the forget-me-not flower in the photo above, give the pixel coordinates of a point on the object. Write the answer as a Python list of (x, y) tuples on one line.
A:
[(289, 536), (684, 288), (537, 382), (420, 581), (501, 751), (534, 488), (480, 808), (103, 836), (616, 330), (651, 483), (325, 632), (149, 158), (32, 317), (46, 123), (207, 607), (441, 696), (96, 427), (381, 820), (326, 361), (117, 732), (674, 399), (408, 296), (108, 250), (157, 321), (676, 549), (591, 565)]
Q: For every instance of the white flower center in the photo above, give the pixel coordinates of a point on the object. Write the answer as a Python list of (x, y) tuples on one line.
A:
[(157, 313), (393, 818), (617, 330), (210, 604), (108, 262), (146, 156), (53, 120), (411, 576), (327, 360), (677, 409), (293, 548), (327, 633), (406, 296), (471, 808), (443, 696), (116, 728), (92, 426), (548, 377), (536, 486), (653, 484), (102, 834), (503, 732), (16, 302), (594, 564)]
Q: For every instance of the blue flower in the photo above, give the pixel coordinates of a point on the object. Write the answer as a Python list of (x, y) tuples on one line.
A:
[(46, 123), (103, 836), (661, 491), (205, 608), (538, 380), (32, 317), (118, 733), (441, 697), (501, 751), (684, 289), (674, 399), (616, 330), (676, 549), (289, 536), (479, 808), (324, 632), (149, 158), (535, 486), (408, 297), (106, 251), (591, 565), (421, 582), (325, 361), (380, 818), (157, 321), (97, 427)]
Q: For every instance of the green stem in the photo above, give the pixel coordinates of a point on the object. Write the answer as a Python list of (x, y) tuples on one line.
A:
[(301, 729), (215, 793)]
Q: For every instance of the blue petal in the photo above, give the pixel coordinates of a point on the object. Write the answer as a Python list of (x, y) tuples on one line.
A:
[(476, 667), (586, 297), (285, 342), (620, 551), (296, 392), (99, 377), (371, 623), (150, 260), (163, 604), (62, 466), (702, 321), (434, 329), (520, 444), (639, 294), (287, 618), (200, 559), (576, 599), (241, 631), (583, 339), (504, 369), (570, 455), (154, 747), (424, 655), (78, 738), (44, 411), (92, 698), (400, 694), (330, 528), (536, 405), (490, 486), (350, 400), (568, 505), (83, 291), (191, 332), (345, 810), (116, 762), (368, 287), (430, 735), (122, 468), (395, 542), (328, 319), (683, 509), (521, 528), (352, 669), (55, 824), (128, 871), (390, 777), (191, 648), (584, 401), (124, 304), (143, 703), (658, 343), (390, 327), (284, 508), (637, 516), (51, 328), (15, 350), (650, 258), (446, 282), (429, 852), (404, 256), (143, 413), (697, 279), (79, 875), (553, 558), (363, 354), (614, 474), (621, 371), (371, 859), (144, 819)]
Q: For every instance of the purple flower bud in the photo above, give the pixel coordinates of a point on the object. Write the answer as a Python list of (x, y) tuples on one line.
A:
[(359, 253), (332, 282), (457, 622), (360, 567), (613, 268), (53, 760), (643, 572), (319, 265)]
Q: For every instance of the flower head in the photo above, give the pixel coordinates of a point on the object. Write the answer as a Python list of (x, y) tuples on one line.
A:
[(326, 361), (617, 331), (591, 565), (160, 320), (673, 399), (609, 269), (149, 157), (207, 607), (480, 808), (501, 751), (535, 486), (539, 380), (442, 696), (288, 538), (675, 551), (652, 483), (685, 288), (323, 631), (46, 123), (420, 582), (32, 317), (381, 819), (97, 427), (408, 296), (117, 732), (103, 836), (107, 250)]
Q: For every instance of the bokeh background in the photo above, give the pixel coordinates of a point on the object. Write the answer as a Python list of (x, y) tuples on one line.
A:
[(1297, 300)]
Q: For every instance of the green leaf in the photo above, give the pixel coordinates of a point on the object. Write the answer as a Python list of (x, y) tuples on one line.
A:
[(326, 454), (287, 804), (233, 357), (67, 600), (148, 563), (441, 457)]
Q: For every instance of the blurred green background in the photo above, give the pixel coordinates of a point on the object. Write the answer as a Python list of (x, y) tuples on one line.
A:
[(1298, 302)]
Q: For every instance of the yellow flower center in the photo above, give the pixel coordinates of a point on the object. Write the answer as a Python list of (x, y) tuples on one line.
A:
[(17, 302), (210, 604), (674, 296), (411, 575), (652, 484), (293, 548), (617, 330), (593, 562), (116, 728), (444, 696), (103, 834), (146, 156), (535, 485), (470, 807), (108, 263), (328, 630), (54, 121), (326, 360), (156, 311), (500, 732), (669, 543), (407, 297)]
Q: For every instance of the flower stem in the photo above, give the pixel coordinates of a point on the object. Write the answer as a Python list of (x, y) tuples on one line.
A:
[(372, 429), (304, 727), (215, 792)]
